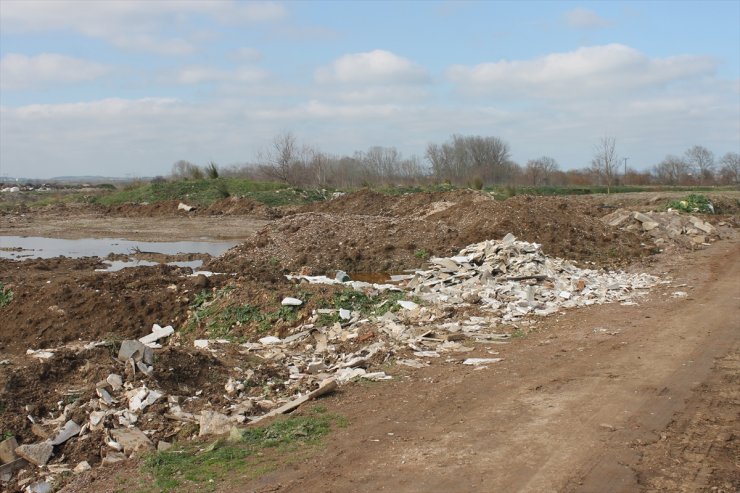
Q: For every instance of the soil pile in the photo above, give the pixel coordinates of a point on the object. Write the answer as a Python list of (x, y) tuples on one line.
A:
[(371, 232)]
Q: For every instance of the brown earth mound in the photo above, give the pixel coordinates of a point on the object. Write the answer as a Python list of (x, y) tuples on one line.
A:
[(379, 233), (57, 301), (233, 206)]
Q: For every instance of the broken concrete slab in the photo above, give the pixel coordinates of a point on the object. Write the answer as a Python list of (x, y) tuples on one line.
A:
[(82, 467), (185, 207), (115, 381), (481, 361), (37, 454), (214, 423), (157, 334), (9, 468), (136, 350), (39, 487), (325, 387), (7, 450), (408, 305), (291, 302), (69, 430), (132, 440), (113, 458)]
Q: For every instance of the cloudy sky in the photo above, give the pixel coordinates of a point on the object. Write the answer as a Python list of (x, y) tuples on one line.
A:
[(126, 88)]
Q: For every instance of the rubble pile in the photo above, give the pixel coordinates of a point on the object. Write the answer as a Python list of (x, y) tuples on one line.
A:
[(514, 278), (133, 410), (663, 227)]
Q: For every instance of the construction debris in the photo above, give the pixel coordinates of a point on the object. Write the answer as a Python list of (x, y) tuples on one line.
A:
[(664, 227)]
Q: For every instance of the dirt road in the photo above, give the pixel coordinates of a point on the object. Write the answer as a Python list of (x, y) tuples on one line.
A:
[(605, 399)]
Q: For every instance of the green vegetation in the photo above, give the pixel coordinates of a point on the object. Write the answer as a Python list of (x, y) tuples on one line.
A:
[(219, 319), (6, 295), (240, 455), (353, 300), (693, 203), (422, 254)]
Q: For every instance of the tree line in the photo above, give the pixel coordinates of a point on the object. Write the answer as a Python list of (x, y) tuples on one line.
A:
[(463, 160)]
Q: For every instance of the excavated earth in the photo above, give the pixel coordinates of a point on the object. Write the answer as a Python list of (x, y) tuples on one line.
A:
[(64, 302)]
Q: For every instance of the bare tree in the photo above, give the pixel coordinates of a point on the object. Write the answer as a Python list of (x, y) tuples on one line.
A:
[(730, 170), (606, 161), (701, 161), (464, 158), (539, 171), (285, 160), (672, 170)]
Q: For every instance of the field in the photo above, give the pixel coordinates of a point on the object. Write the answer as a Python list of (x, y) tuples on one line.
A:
[(637, 394)]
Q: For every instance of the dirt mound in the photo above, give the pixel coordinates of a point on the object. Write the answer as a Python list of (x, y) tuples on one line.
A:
[(242, 206), (232, 206), (326, 242), (418, 225), (372, 203), (56, 301)]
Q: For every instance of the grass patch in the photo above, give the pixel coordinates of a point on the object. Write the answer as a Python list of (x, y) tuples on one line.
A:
[(354, 300), (693, 203), (205, 192), (6, 295), (201, 468)]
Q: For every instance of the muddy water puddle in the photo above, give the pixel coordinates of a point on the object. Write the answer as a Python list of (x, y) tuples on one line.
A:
[(27, 247)]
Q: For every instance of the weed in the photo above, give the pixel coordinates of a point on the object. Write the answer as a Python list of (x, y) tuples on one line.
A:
[(518, 333), (205, 466), (6, 295), (693, 203), (422, 254)]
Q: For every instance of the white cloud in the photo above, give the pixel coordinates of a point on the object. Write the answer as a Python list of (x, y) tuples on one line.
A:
[(373, 67), (247, 54), (201, 74), (600, 71), (322, 110), (18, 72), (132, 25), (580, 18)]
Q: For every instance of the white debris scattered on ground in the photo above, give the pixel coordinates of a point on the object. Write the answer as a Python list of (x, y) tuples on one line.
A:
[(663, 226), (514, 278), (508, 282)]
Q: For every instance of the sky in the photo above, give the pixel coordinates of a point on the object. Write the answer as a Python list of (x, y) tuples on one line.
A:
[(127, 88)]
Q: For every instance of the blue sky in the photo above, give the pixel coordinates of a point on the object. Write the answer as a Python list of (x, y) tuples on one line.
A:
[(126, 88)]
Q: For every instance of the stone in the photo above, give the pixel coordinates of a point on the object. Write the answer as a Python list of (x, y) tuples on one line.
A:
[(201, 343), (291, 302), (481, 361), (185, 207), (40, 431), (7, 450), (39, 487), (157, 334), (214, 423), (96, 419), (115, 381), (82, 467), (37, 454), (269, 340), (342, 276), (113, 458), (408, 305), (136, 350), (132, 439), (325, 387), (345, 314), (7, 470), (316, 367), (69, 430)]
